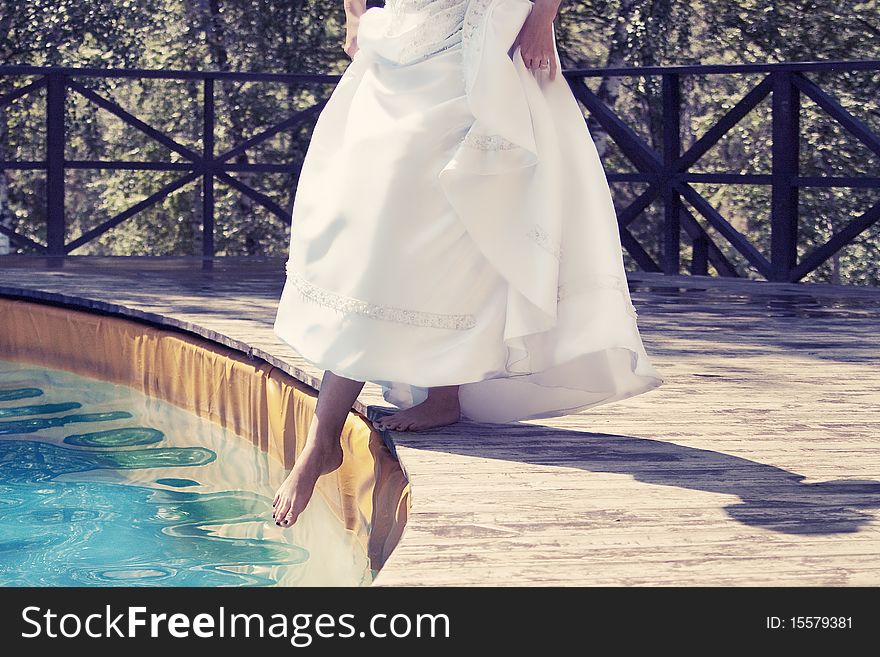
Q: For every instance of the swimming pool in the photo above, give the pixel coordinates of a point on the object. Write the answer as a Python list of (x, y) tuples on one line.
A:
[(101, 485), (104, 484)]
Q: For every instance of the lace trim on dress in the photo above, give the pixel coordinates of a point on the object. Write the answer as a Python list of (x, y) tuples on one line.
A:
[(439, 30), (346, 304)]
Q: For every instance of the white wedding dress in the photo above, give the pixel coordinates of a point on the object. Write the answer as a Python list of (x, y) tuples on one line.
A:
[(453, 225)]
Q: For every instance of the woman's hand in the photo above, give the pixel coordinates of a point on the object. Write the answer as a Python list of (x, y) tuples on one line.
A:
[(536, 37), (351, 42), (353, 11)]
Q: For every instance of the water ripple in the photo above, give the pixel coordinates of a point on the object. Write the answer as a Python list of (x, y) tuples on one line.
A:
[(122, 437), (30, 426)]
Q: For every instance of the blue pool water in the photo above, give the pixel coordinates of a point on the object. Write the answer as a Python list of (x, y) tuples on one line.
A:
[(101, 485)]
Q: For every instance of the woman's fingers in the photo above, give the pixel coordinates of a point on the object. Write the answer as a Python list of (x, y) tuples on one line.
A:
[(536, 41), (535, 62)]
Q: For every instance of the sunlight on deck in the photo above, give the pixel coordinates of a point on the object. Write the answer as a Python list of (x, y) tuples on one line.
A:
[(756, 462)]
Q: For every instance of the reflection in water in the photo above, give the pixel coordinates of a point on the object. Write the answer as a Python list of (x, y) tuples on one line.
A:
[(123, 437), (30, 426), (31, 461), (176, 483), (19, 393), (146, 501), (38, 409), (89, 533)]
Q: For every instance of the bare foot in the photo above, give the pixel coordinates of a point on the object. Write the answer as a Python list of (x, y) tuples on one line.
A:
[(293, 495), (439, 409)]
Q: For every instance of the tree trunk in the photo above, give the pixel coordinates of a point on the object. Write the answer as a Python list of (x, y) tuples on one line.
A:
[(609, 88), (212, 24), (5, 210)]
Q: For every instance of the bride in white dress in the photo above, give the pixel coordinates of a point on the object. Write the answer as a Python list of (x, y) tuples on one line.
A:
[(453, 235)]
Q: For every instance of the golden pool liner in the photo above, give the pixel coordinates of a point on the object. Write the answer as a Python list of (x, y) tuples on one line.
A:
[(369, 493)]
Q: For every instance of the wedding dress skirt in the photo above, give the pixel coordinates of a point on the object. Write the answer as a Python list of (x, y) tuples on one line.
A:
[(453, 225)]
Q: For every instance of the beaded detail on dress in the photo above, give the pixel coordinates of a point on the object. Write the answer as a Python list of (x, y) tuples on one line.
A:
[(471, 43), (488, 142), (346, 305), (542, 238)]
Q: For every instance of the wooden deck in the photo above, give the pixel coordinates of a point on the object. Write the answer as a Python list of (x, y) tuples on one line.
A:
[(756, 463)]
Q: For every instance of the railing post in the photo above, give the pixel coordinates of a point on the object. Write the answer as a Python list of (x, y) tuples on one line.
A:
[(55, 224), (208, 177), (700, 256), (671, 153), (786, 154)]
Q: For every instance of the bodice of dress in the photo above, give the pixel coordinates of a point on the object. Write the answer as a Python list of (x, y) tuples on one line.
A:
[(413, 30)]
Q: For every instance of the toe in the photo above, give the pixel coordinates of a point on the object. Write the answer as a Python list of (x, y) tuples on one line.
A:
[(281, 511)]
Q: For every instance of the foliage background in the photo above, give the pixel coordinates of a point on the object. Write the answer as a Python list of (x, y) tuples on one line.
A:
[(306, 36)]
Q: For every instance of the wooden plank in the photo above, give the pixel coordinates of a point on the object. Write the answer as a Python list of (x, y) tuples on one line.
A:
[(755, 464)]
